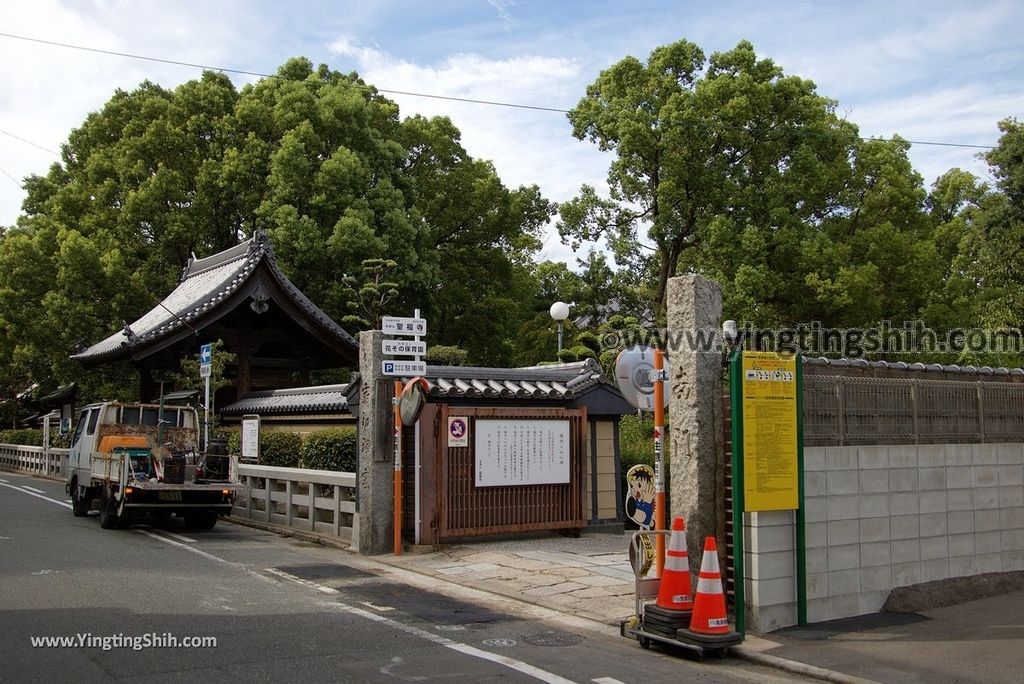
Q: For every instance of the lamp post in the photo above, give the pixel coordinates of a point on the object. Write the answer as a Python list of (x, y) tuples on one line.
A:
[(559, 312)]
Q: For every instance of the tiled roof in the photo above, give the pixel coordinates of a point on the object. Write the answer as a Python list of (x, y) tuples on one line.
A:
[(318, 399), (561, 381), (900, 365), (206, 283)]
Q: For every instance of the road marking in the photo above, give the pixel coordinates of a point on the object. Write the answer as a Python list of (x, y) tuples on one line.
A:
[(466, 649), (382, 609), (606, 680), (172, 535), (204, 554), (4, 481), (38, 496), (310, 584), (512, 663), (33, 489)]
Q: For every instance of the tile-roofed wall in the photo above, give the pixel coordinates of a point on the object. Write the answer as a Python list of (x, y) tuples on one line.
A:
[(316, 399)]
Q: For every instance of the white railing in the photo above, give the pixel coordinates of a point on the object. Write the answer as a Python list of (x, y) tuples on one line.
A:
[(309, 500), (35, 460)]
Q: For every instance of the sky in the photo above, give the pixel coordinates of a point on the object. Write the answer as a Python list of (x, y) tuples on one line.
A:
[(929, 71)]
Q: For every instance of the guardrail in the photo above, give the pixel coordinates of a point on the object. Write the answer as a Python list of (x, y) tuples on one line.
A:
[(310, 500), (35, 460)]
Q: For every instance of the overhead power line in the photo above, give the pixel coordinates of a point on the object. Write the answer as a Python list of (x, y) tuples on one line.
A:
[(29, 142), (450, 98)]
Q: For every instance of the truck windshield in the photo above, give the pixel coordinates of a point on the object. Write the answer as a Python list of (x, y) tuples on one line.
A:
[(82, 419)]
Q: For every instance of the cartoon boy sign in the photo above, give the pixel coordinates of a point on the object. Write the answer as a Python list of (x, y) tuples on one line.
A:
[(640, 497)]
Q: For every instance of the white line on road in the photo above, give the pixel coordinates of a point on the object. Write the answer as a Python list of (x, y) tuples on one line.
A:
[(606, 680), (172, 535), (33, 489), (38, 496), (512, 663), (4, 481), (204, 554), (380, 609)]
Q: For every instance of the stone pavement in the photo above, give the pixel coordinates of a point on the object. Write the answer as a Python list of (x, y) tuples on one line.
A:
[(588, 576)]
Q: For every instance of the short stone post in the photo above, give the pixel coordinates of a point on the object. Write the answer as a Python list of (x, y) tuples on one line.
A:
[(373, 523), (696, 461)]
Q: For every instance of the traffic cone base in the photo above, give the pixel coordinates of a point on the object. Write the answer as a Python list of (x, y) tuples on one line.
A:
[(674, 592)]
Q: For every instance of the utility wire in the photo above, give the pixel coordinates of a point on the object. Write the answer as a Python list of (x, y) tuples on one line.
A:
[(492, 103), (13, 179), (29, 142)]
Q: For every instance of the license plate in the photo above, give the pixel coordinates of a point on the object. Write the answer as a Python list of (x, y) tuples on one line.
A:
[(170, 496)]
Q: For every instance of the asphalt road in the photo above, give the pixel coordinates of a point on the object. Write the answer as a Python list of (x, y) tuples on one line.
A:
[(279, 609)]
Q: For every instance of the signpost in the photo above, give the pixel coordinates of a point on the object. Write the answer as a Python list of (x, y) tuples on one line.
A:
[(414, 327), (205, 366)]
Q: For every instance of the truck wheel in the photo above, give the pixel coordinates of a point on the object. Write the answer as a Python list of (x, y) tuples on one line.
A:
[(80, 500), (203, 520), (109, 519)]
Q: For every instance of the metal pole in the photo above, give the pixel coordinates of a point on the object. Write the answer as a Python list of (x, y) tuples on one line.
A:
[(398, 469), (559, 336), (659, 466), (736, 401), (206, 426), (801, 520)]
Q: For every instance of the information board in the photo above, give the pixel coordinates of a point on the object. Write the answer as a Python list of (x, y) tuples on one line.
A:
[(770, 434), (521, 452), (250, 439)]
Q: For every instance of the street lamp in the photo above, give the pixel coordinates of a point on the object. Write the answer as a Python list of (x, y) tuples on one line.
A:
[(559, 312)]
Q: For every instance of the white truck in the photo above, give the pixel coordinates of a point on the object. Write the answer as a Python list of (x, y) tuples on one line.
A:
[(132, 460)]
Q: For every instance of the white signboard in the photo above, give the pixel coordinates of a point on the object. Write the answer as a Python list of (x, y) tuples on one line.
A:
[(521, 452), (204, 370), (403, 368), (399, 325), (250, 439), (403, 348), (458, 431)]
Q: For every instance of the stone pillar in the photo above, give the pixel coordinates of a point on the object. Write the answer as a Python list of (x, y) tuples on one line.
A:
[(375, 495), (695, 461)]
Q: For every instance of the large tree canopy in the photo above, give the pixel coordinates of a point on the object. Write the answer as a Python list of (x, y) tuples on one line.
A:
[(315, 157), (703, 146)]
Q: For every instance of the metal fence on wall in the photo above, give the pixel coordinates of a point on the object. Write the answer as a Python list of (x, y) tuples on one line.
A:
[(849, 407)]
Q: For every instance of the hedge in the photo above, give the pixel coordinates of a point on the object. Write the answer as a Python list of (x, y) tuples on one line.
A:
[(280, 449), (24, 437), (333, 449)]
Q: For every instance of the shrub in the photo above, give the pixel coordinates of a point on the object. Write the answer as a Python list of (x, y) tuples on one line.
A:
[(280, 449), (24, 437), (333, 449), (444, 355)]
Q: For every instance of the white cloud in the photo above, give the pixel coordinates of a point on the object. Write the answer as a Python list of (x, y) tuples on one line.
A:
[(526, 146)]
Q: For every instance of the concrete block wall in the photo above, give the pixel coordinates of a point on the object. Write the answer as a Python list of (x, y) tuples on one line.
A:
[(880, 517)]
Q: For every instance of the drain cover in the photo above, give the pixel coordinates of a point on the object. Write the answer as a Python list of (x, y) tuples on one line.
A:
[(552, 639)]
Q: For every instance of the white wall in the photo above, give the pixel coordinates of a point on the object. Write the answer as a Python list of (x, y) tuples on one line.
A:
[(880, 517)]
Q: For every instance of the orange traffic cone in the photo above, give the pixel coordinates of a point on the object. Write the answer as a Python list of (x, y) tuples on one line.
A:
[(709, 615), (674, 592)]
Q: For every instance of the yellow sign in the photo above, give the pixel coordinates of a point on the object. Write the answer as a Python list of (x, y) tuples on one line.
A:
[(770, 477)]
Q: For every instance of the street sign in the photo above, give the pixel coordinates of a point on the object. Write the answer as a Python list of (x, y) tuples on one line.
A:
[(403, 368), (204, 370), (403, 347), (399, 325), (206, 354)]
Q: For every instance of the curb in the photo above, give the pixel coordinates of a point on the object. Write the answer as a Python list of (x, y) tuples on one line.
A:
[(288, 532), (796, 667)]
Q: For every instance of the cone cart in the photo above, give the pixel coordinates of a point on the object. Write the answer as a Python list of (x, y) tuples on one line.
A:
[(650, 624)]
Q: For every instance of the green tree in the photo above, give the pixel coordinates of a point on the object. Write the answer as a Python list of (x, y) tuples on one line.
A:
[(703, 145), (317, 158)]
